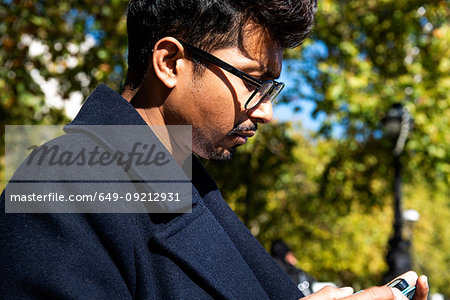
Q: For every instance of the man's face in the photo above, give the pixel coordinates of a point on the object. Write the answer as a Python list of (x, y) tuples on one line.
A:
[(213, 101)]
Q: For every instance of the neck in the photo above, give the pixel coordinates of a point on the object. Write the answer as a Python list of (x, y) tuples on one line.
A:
[(148, 100)]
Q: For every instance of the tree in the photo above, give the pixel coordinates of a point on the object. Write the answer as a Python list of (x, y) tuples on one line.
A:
[(378, 53), (382, 53), (80, 45)]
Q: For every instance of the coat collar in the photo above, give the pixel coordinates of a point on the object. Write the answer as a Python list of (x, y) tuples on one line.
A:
[(104, 106), (113, 124)]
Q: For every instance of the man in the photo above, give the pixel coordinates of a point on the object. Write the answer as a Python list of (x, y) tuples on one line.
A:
[(208, 64), (286, 259)]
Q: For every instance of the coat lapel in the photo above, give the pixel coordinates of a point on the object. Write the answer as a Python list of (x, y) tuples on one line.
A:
[(275, 281)]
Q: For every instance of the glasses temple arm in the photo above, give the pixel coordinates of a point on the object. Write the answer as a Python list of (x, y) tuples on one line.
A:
[(220, 63)]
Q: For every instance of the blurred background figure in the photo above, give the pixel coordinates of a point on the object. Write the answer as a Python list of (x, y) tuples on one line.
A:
[(286, 259)]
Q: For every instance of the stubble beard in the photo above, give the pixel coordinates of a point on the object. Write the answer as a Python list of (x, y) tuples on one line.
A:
[(211, 151)]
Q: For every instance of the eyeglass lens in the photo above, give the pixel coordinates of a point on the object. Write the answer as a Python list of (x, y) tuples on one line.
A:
[(267, 92)]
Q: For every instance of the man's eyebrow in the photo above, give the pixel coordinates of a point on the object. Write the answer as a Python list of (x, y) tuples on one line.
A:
[(270, 74), (258, 68), (265, 73)]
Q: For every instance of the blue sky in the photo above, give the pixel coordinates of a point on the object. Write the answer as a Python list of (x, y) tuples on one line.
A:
[(298, 89), (285, 112)]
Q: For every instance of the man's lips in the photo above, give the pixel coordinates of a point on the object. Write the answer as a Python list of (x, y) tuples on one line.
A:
[(242, 132), (241, 137), (246, 133)]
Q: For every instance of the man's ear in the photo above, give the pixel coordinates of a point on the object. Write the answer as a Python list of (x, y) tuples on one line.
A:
[(168, 60)]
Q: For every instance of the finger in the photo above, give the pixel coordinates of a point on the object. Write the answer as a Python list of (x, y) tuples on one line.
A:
[(410, 277), (330, 292), (376, 293), (398, 294), (337, 293), (345, 291), (421, 288)]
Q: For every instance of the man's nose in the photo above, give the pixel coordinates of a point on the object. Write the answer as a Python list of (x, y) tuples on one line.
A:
[(262, 113)]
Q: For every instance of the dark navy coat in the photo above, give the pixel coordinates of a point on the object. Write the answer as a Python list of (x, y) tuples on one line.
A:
[(208, 253)]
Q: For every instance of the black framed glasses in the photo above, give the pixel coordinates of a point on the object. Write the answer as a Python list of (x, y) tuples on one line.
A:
[(265, 90)]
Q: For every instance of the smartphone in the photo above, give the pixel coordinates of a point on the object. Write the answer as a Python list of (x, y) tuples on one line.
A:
[(404, 287)]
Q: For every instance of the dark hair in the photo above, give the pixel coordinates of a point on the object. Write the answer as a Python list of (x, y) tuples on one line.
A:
[(279, 249), (211, 25)]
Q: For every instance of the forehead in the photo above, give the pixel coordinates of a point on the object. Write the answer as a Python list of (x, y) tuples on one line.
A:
[(258, 45), (259, 51)]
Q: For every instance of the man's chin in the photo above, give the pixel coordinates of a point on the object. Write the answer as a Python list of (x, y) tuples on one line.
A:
[(218, 154)]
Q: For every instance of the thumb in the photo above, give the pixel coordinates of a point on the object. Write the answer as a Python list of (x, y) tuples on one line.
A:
[(377, 293)]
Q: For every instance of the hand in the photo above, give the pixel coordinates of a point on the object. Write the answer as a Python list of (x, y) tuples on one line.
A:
[(421, 284), (374, 293), (421, 288), (330, 293)]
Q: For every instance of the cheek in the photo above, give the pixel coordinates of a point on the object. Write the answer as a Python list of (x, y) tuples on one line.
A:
[(216, 119), (218, 105)]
